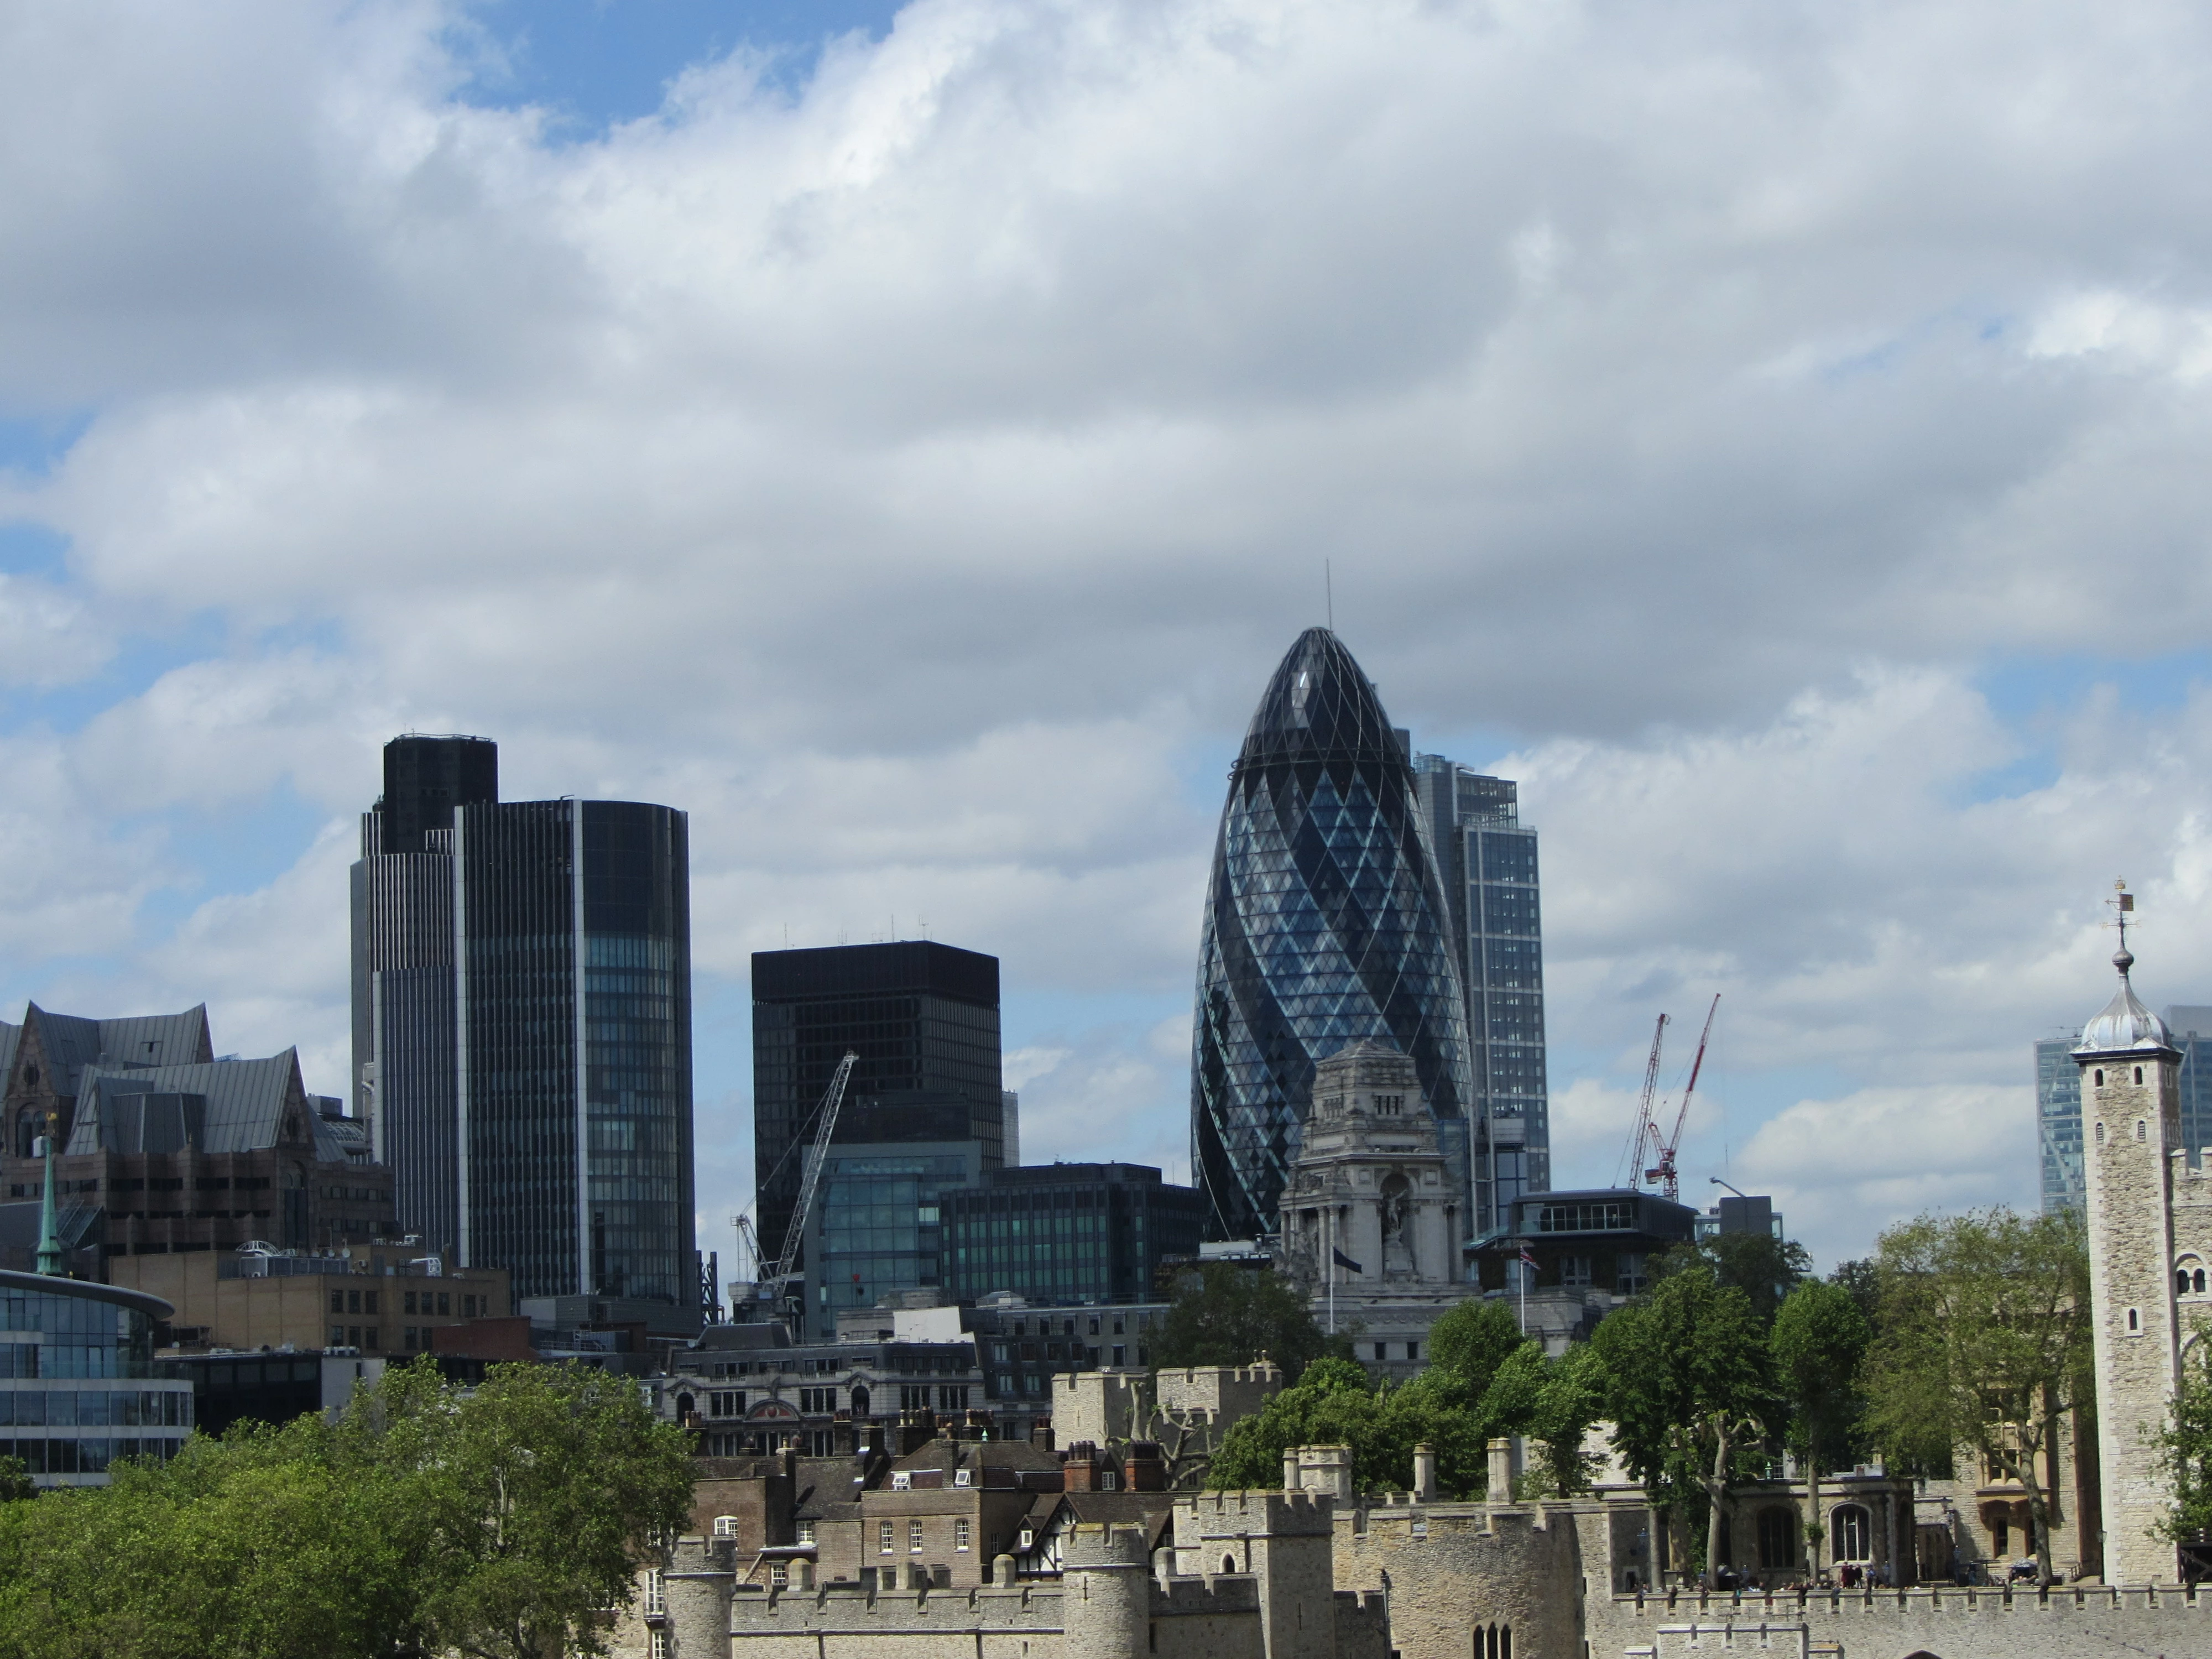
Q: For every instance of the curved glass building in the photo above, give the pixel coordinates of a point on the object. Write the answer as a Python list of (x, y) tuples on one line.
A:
[(1325, 923)]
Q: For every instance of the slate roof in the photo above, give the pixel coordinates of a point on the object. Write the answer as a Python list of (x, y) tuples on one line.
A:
[(71, 1042), (951, 1454), (245, 1104)]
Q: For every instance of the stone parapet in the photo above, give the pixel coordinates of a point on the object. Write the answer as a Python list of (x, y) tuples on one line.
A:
[(1956, 1623)]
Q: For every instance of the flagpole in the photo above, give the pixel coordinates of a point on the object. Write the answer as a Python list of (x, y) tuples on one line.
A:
[(1330, 1230)]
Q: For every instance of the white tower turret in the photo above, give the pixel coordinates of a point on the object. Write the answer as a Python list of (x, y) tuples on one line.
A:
[(2131, 1122)]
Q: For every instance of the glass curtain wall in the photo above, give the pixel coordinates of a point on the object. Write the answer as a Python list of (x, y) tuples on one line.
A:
[(1325, 922)]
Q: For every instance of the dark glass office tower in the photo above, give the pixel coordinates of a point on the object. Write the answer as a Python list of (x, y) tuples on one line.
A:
[(1487, 860), (522, 1026), (573, 927), (1325, 922), (923, 1017), (404, 1064)]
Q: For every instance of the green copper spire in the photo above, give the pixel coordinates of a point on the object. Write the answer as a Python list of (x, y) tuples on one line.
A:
[(49, 1243)]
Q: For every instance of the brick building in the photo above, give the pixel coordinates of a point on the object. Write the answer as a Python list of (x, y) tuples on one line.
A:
[(166, 1150)]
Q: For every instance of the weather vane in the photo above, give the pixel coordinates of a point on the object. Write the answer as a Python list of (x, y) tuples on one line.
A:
[(2123, 905)]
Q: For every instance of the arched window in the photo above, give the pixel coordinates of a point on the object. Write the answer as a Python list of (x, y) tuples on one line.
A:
[(1777, 1539), (1852, 1527), (860, 1400), (2135, 1321), (2142, 1130), (684, 1406), (2139, 1074), (2100, 1076), (1493, 1642), (1229, 1563), (2198, 1286), (2101, 1134)]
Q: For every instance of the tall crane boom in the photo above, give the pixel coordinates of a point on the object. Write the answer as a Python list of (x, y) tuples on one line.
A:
[(1645, 1128), (778, 1274), (1670, 1180)]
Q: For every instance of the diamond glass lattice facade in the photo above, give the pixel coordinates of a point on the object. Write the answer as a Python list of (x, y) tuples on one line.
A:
[(1325, 922)]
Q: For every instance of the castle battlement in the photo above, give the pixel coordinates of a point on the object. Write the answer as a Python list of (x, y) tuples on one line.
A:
[(1028, 1607), (1959, 1623), (2062, 1601), (1181, 1597), (1417, 1520), (1257, 1511)]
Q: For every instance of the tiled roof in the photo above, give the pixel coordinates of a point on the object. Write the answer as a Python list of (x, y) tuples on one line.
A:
[(245, 1104), (942, 1454)]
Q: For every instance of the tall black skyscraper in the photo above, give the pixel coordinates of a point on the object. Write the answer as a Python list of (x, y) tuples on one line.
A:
[(1325, 923), (922, 1017), (522, 1016)]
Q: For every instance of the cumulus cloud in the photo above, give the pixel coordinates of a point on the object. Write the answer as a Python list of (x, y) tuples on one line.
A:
[(916, 472)]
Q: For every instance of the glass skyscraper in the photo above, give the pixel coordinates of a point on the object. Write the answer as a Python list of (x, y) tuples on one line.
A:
[(1487, 859), (522, 1016), (2058, 1122), (1325, 922)]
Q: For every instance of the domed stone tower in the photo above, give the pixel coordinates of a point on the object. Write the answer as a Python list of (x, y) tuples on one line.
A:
[(2147, 1220)]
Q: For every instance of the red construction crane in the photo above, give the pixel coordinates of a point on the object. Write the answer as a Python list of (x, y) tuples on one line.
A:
[(1664, 1171)]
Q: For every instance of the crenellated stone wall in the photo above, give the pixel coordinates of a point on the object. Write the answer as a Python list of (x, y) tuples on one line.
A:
[(1451, 1570), (1957, 1624)]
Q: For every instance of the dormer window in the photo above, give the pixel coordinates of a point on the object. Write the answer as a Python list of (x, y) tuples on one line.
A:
[(960, 1477), (902, 1480)]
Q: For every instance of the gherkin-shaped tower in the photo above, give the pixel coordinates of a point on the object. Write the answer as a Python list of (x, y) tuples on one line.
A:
[(1325, 923)]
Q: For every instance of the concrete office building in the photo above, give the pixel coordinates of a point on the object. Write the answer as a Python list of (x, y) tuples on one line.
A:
[(924, 1019), (1487, 859), (1325, 923), (522, 1027)]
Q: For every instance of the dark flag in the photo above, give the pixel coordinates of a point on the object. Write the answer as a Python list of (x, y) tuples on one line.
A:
[(1344, 1261)]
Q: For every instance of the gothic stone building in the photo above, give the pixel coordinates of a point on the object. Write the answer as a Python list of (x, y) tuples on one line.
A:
[(163, 1148)]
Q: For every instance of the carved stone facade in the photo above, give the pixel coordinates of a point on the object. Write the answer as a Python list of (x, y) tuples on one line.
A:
[(1371, 1218)]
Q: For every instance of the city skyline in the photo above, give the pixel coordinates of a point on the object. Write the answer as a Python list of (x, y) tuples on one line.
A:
[(896, 450)]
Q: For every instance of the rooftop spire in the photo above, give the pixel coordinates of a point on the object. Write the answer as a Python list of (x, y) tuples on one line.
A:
[(49, 1243), (2125, 1024)]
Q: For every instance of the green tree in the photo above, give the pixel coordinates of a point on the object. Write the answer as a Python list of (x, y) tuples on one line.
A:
[(495, 1524), (1226, 1315), (1332, 1404), (1820, 1340), (1688, 1380), (530, 1502), (1470, 1342), (1983, 1342), (15, 1482), (1764, 1267), (1569, 1401), (2184, 1447)]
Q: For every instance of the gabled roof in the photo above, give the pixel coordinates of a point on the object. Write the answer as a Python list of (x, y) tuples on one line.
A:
[(71, 1042), (246, 1102), (950, 1455)]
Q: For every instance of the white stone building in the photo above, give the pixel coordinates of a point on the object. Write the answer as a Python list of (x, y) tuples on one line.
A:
[(1371, 1225)]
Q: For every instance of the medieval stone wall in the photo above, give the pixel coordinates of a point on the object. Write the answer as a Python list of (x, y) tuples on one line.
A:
[(1455, 1569)]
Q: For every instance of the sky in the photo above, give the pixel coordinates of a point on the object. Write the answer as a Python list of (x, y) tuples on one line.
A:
[(906, 438)]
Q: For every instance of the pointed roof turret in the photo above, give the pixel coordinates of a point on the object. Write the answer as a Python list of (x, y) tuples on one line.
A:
[(2124, 1025)]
